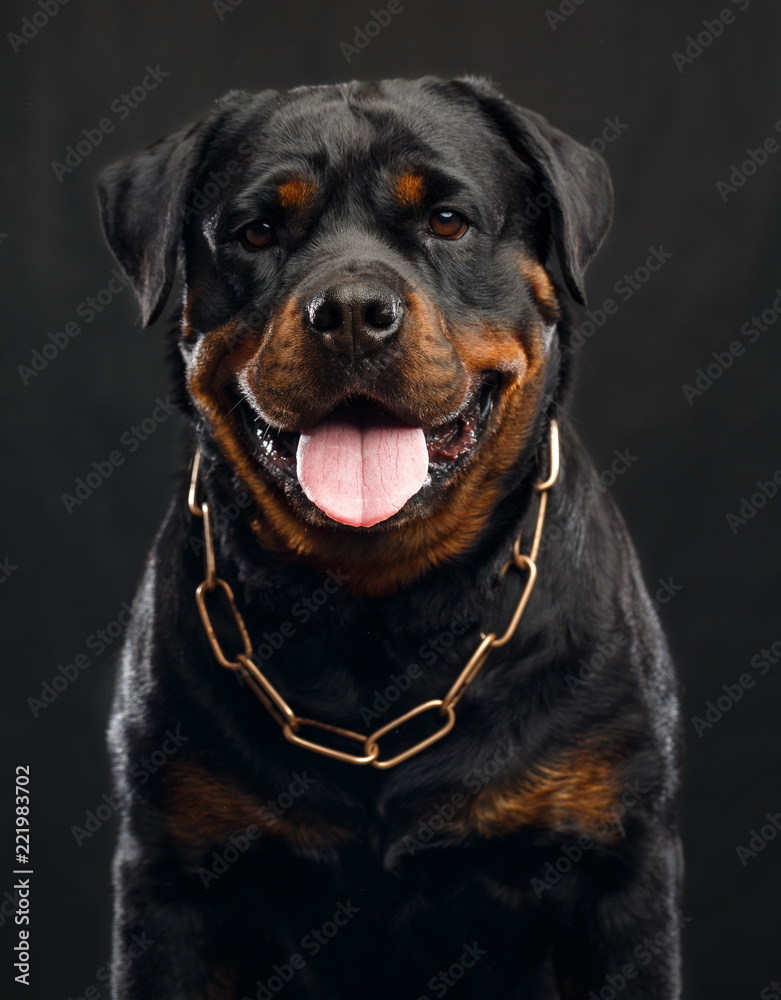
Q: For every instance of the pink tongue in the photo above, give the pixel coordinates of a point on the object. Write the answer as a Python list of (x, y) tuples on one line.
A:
[(361, 475)]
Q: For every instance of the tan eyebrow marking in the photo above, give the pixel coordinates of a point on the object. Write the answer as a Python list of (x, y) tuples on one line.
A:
[(297, 193), (409, 189)]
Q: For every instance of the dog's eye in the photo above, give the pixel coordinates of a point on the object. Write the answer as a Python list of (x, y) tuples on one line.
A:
[(258, 235), (447, 224)]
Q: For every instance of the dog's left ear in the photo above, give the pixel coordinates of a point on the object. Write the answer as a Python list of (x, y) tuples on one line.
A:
[(575, 179), (142, 206)]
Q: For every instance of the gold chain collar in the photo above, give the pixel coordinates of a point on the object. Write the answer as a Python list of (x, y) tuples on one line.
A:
[(278, 708)]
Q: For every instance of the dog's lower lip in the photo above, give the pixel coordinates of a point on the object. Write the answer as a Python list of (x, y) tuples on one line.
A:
[(458, 436), (275, 447), (447, 442)]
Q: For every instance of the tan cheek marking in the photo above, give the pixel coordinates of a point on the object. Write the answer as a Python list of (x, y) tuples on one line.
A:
[(578, 792), (408, 189), (542, 289), (297, 193), (203, 366), (204, 810), (494, 350), (438, 373), (522, 360)]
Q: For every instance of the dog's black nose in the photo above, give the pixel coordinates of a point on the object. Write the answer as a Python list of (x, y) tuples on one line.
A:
[(355, 318)]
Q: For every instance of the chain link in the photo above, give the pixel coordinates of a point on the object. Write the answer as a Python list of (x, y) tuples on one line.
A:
[(278, 708)]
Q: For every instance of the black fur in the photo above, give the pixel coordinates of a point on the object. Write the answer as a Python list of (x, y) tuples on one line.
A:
[(421, 896)]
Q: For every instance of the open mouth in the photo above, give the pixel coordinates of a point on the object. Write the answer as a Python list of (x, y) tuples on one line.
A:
[(361, 463)]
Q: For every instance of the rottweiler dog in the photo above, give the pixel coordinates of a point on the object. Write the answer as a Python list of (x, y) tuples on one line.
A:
[(413, 719)]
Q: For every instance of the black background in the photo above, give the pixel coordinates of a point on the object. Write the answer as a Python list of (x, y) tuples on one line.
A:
[(694, 462)]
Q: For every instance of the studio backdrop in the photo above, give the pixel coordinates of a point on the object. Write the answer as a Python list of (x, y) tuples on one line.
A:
[(676, 396)]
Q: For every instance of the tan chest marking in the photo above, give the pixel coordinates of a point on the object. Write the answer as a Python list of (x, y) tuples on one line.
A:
[(577, 792), (204, 810)]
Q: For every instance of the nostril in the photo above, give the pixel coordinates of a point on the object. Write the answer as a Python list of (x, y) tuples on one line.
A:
[(381, 314), (325, 316)]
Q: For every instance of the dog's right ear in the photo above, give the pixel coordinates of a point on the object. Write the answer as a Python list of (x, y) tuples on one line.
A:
[(142, 202), (142, 206), (575, 179)]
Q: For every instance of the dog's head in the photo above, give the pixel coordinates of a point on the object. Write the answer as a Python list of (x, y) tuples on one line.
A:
[(369, 321)]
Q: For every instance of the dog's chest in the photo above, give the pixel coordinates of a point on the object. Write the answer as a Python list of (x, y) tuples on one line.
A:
[(315, 815)]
